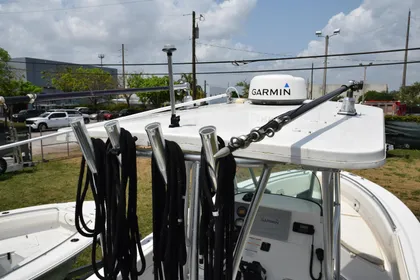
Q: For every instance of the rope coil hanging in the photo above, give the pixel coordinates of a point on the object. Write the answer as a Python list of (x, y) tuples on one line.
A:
[(217, 220), (116, 221), (169, 249)]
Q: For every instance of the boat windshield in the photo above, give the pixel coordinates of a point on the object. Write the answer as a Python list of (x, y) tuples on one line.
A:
[(302, 184)]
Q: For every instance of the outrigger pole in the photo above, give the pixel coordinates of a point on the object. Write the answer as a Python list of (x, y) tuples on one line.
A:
[(269, 129), (32, 97)]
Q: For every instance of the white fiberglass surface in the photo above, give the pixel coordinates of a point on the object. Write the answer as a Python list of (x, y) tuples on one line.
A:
[(357, 239), (321, 137), (28, 235)]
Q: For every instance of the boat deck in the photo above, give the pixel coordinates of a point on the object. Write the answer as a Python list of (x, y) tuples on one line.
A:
[(34, 240)]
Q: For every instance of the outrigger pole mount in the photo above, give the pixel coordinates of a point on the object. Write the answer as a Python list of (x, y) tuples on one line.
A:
[(169, 49)]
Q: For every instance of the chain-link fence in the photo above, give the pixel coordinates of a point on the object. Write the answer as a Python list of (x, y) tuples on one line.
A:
[(50, 148)]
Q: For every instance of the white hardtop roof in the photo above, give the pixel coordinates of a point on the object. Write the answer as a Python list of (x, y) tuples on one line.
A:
[(320, 138)]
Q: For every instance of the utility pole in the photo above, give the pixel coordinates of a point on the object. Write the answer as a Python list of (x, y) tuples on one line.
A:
[(123, 65), (406, 51), (364, 80), (194, 84), (312, 80), (324, 80), (205, 88), (101, 56)]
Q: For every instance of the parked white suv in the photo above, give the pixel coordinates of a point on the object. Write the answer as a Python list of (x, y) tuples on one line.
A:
[(56, 119), (74, 113)]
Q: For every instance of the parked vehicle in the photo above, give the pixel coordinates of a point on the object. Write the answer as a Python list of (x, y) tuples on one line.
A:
[(110, 115), (25, 114), (85, 110), (127, 112), (74, 113), (99, 116), (51, 120)]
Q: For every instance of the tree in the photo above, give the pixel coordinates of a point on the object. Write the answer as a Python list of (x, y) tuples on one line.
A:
[(11, 84), (410, 95), (337, 98), (82, 79), (376, 95), (245, 85), (155, 98), (127, 96), (189, 79)]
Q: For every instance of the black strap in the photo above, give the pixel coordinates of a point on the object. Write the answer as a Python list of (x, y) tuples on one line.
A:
[(114, 208), (216, 241), (169, 249)]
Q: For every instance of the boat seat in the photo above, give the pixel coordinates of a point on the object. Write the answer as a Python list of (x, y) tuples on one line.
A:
[(357, 237)]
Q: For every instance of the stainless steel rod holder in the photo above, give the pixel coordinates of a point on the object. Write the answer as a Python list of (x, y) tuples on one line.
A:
[(113, 130), (169, 49), (187, 216), (249, 219), (209, 140), (337, 224), (327, 205), (154, 132), (195, 222), (82, 136)]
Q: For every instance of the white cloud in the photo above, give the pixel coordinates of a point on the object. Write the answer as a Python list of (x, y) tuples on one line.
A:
[(375, 25), (79, 34)]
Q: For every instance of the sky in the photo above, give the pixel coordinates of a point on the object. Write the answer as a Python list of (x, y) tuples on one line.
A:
[(78, 30)]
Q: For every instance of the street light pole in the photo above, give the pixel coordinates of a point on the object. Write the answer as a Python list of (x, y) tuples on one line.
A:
[(324, 80), (327, 40)]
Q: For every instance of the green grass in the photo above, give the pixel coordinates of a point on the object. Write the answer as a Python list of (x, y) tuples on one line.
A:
[(18, 126), (56, 181), (400, 175)]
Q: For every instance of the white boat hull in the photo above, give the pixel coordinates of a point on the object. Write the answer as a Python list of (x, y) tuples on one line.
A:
[(41, 242), (372, 247)]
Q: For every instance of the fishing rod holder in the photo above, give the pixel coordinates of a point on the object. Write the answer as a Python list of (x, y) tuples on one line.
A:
[(85, 142), (210, 145), (169, 49), (154, 132), (112, 128)]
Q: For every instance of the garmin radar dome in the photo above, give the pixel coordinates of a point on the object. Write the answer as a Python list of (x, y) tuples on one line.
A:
[(277, 89)]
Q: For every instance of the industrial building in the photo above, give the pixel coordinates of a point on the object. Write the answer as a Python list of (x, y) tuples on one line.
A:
[(32, 69)]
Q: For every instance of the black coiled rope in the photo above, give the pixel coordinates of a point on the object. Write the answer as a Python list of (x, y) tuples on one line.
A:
[(169, 249), (217, 220), (116, 220)]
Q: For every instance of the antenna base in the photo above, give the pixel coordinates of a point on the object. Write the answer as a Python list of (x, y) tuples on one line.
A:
[(174, 121)]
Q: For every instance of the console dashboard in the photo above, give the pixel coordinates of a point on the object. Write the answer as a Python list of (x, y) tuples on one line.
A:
[(282, 234)]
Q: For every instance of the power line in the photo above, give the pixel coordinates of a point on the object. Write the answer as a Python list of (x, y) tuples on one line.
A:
[(242, 50), (75, 8), (298, 69), (245, 71), (229, 61)]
